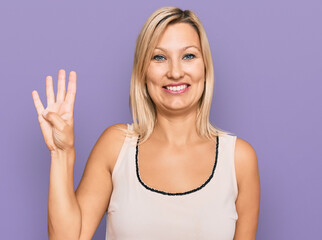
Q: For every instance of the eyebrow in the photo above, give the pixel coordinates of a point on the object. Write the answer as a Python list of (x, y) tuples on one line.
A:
[(182, 49)]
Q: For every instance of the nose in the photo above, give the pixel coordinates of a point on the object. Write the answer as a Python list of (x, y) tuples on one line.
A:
[(175, 70)]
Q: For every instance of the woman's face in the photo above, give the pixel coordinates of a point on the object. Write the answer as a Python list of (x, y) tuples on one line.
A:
[(175, 77)]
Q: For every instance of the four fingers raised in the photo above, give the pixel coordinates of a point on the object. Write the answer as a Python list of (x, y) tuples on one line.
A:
[(61, 91), (59, 113)]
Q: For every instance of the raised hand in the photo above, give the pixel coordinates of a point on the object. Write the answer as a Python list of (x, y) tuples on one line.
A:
[(57, 120)]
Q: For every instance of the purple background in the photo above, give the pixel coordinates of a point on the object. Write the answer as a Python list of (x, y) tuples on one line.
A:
[(267, 59)]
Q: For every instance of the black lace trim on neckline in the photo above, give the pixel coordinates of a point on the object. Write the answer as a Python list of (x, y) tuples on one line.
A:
[(174, 194)]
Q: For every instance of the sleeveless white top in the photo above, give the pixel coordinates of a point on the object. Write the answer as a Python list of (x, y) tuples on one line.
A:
[(138, 212)]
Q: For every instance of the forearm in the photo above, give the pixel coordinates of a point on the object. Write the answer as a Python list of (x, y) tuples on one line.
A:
[(64, 215)]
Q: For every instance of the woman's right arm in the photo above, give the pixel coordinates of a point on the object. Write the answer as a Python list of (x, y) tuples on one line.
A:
[(79, 213), (57, 126), (64, 212), (74, 215)]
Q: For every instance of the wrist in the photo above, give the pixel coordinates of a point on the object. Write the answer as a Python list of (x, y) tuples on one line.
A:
[(67, 154)]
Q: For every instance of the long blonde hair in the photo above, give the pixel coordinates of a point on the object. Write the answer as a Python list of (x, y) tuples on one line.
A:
[(143, 110)]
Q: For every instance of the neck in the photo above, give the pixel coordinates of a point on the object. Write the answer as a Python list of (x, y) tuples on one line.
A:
[(176, 129)]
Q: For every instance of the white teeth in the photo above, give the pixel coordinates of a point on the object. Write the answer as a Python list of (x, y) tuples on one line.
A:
[(177, 88)]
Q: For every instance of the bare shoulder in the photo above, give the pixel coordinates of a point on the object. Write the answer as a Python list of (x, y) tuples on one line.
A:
[(245, 159), (114, 133), (244, 150), (110, 143)]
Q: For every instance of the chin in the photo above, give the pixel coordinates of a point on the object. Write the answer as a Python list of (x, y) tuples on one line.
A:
[(179, 108)]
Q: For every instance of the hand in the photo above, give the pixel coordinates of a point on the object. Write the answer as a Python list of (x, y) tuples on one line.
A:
[(57, 120)]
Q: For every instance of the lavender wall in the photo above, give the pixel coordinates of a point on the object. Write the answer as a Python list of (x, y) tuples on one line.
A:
[(267, 58)]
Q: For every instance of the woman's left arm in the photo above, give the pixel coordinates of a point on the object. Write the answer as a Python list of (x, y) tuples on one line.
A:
[(247, 203)]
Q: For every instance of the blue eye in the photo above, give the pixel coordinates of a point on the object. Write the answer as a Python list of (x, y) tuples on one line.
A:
[(189, 56), (158, 57)]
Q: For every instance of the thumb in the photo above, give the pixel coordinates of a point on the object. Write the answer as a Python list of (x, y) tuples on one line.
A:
[(54, 119)]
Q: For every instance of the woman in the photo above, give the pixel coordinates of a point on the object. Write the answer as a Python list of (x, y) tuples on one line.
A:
[(170, 174)]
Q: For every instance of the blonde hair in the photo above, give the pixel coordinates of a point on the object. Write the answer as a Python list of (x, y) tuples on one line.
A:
[(143, 109)]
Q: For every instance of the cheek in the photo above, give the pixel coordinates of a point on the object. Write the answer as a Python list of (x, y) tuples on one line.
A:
[(152, 88), (198, 77), (155, 72), (196, 71), (154, 77)]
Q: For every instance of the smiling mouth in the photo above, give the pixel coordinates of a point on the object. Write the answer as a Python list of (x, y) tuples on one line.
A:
[(177, 88)]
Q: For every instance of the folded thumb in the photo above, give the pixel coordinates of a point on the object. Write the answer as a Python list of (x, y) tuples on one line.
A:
[(54, 119)]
